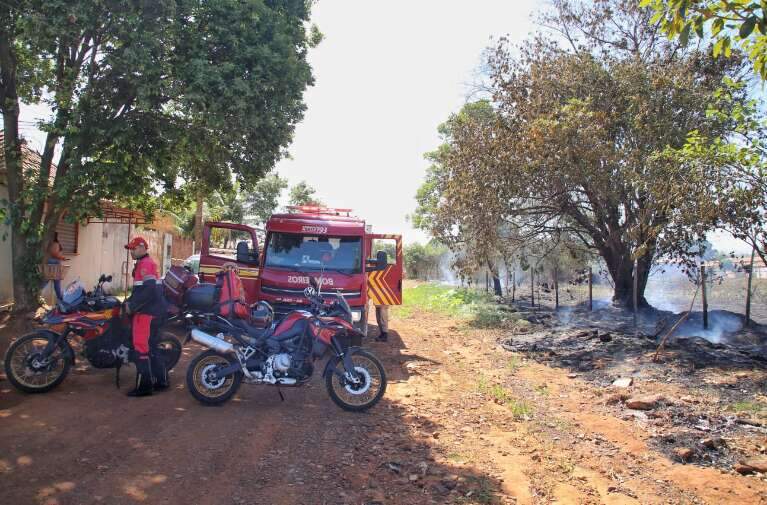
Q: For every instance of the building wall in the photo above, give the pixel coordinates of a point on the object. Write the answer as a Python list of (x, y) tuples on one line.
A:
[(6, 265), (100, 250)]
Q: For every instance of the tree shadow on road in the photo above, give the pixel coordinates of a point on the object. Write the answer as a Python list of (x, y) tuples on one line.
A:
[(85, 441)]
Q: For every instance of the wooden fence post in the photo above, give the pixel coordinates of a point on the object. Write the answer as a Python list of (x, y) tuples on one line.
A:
[(532, 287), (513, 286), (636, 294), (704, 295), (591, 291), (556, 288), (748, 291)]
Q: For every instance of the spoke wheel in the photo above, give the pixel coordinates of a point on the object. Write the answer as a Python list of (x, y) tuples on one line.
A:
[(206, 389), (361, 388), (32, 372)]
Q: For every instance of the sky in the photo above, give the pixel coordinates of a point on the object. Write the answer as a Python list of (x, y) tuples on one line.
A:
[(386, 75)]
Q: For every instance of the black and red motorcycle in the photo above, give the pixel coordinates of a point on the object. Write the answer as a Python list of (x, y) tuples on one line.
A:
[(40, 361), (283, 354)]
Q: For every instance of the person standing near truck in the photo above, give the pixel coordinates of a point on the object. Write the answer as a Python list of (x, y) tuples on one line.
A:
[(146, 307), (382, 319)]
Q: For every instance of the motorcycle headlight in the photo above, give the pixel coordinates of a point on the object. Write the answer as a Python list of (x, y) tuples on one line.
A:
[(356, 316)]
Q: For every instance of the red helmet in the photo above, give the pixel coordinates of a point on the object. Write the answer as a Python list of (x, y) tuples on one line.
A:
[(135, 242)]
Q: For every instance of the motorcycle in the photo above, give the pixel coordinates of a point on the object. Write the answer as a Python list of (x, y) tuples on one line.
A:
[(284, 353), (41, 360)]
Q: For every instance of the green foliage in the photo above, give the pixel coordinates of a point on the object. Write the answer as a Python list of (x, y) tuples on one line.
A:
[(263, 200), (145, 94), (750, 407), (567, 151), (303, 194), (725, 23), (733, 169), (422, 261), (477, 309)]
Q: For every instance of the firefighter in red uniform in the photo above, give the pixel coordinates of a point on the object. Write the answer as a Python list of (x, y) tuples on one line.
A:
[(147, 309)]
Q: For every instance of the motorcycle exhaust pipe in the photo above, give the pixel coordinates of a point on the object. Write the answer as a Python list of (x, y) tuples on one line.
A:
[(216, 343)]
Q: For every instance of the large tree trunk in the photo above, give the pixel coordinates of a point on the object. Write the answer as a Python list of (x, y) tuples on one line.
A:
[(198, 221), (22, 292), (21, 262), (620, 264), (497, 289)]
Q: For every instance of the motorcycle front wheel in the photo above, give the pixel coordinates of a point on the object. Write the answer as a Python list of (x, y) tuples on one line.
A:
[(29, 370), (364, 388), (203, 387)]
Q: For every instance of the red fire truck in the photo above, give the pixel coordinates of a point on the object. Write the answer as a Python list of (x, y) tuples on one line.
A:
[(307, 241)]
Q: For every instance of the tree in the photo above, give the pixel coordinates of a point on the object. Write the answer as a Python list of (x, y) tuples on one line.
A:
[(303, 194), (143, 93), (264, 199), (422, 261), (727, 23), (572, 147), (734, 169), (474, 236)]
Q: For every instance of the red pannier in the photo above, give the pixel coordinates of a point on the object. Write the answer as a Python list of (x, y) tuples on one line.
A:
[(231, 300), (176, 282)]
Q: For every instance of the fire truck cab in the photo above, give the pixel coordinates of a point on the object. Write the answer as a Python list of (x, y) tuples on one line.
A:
[(308, 241)]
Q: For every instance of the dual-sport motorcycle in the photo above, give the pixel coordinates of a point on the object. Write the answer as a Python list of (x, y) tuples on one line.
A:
[(40, 361), (283, 354)]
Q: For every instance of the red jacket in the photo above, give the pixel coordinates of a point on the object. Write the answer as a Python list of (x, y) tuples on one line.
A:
[(145, 297)]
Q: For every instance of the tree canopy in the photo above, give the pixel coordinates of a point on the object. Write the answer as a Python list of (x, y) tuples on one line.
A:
[(303, 194), (263, 200), (569, 145), (144, 94), (729, 24)]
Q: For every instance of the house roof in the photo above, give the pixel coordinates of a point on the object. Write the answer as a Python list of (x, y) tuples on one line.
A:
[(30, 159), (111, 213)]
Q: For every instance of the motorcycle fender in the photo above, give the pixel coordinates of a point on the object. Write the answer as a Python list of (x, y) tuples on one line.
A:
[(330, 368), (54, 338)]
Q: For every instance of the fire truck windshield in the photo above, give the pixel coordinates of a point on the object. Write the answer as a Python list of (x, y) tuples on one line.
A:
[(310, 252)]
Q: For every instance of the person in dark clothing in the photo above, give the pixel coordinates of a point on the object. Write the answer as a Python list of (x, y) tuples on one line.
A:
[(145, 305)]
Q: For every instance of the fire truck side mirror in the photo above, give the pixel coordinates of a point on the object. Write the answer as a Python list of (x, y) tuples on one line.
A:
[(380, 263), (244, 255)]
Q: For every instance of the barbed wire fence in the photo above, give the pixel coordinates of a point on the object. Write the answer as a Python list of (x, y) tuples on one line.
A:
[(668, 288)]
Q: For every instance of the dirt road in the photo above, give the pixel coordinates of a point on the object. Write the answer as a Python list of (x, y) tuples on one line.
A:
[(463, 421)]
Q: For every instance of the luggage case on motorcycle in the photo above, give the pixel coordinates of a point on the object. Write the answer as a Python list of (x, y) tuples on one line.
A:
[(201, 297), (176, 282), (231, 295)]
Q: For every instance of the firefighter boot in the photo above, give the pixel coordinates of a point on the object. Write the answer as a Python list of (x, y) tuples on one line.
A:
[(143, 378), (159, 373)]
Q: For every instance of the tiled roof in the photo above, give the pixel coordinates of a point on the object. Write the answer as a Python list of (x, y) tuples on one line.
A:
[(30, 158)]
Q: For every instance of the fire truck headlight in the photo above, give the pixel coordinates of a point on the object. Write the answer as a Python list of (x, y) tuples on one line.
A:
[(356, 316)]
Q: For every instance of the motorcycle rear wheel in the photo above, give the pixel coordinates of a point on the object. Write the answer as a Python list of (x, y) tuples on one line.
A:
[(169, 347), (206, 390), (362, 396), (28, 372)]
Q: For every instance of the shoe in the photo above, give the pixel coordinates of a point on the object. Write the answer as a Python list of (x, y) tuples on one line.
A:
[(160, 380), (382, 337), (143, 379)]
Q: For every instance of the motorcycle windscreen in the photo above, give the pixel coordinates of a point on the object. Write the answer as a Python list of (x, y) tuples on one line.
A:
[(385, 286)]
